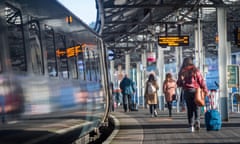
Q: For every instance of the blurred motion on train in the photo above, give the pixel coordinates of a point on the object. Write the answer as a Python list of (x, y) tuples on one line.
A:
[(48, 65)]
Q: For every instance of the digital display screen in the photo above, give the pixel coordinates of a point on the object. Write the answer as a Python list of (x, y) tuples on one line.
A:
[(70, 51), (173, 40)]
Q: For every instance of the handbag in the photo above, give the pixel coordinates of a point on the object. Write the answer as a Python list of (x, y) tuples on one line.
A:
[(199, 97)]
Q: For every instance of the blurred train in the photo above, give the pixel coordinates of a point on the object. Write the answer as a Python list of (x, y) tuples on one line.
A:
[(51, 63)]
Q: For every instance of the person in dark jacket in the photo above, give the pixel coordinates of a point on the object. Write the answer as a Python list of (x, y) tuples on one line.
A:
[(190, 78), (127, 87)]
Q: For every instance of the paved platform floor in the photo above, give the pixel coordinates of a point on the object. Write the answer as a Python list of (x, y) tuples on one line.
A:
[(138, 127)]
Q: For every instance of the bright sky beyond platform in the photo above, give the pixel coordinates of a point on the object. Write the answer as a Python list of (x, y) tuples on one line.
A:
[(84, 9)]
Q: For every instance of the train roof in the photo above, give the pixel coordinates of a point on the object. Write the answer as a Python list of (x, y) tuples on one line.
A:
[(52, 13)]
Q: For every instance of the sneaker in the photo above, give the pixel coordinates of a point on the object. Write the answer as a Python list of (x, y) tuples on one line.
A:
[(152, 115), (191, 129), (155, 113), (197, 125)]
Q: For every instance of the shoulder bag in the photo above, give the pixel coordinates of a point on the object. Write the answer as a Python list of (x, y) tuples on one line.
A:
[(199, 97)]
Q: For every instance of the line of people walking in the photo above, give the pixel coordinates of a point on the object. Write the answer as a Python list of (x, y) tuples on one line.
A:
[(189, 79)]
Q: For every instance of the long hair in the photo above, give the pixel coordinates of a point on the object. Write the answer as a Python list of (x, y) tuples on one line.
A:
[(151, 78), (188, 61), (188, 73), (168, 77)]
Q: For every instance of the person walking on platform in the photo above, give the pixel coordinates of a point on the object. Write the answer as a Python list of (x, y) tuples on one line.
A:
[(169, 90), (150, 94), (128, 90), (190, 78), (118, 93)]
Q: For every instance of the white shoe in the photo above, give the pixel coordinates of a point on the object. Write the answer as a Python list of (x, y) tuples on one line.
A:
[(155, 113), (192, 129)]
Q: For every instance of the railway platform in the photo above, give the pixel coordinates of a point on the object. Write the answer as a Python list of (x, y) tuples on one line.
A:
[(138, 127)]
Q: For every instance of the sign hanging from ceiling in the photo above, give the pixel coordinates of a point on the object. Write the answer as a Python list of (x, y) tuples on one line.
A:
[(173, 40)]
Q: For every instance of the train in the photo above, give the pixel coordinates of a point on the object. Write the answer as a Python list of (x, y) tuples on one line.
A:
[(52, 66)]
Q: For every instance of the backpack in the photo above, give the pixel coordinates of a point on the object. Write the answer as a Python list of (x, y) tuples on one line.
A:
[(151, 89)]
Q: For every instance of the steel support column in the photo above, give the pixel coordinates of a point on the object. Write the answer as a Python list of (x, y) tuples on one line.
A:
[(112, 70), (138, 81), (161, 73), (222, 61), (143, 75), (198, 46), (127, 64)]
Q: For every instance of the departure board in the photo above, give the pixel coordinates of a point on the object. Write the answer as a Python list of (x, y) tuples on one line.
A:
[(70, 51), (173, 40)]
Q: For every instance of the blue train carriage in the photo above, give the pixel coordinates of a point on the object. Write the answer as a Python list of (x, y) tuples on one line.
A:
[(50, 67)]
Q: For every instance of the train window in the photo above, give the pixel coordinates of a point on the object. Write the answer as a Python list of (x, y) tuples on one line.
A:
[(35, 48), (80, 63), (62, 60), (1, 66), (51, 51), (88, 63), (16, 38), (95, 65), (72, 67), (36, 55)]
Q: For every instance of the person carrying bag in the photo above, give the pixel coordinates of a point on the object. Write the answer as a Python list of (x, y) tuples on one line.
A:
[(150, 95), (169, 90), (190, 79)]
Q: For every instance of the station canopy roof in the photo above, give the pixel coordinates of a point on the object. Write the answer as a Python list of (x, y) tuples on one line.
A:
[(134, 25)]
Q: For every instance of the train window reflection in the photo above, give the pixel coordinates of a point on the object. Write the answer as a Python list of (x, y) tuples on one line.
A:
[(87, 64), (72, 67), (1, 66), (16, 39), (51, 51)]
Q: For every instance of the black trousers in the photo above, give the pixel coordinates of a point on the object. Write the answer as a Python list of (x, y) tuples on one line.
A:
[(127, 102), (193, 111), (169, 105), (152, 107)]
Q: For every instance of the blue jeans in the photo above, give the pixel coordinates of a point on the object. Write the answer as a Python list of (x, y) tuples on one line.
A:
[(118, 96), (193, 111)]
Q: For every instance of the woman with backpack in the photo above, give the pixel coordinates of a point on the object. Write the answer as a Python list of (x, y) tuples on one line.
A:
[(150, 94), (169, 90), (190, 78)]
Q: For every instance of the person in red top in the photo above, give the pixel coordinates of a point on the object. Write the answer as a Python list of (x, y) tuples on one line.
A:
[(190, 78)]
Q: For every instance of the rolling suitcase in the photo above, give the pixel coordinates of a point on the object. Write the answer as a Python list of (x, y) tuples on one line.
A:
[(213, 121)]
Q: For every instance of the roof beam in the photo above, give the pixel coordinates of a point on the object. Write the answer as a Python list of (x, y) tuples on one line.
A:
[(147, 22), (166, 5)]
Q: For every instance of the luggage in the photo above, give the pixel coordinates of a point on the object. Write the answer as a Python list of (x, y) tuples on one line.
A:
[(213, 121)]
